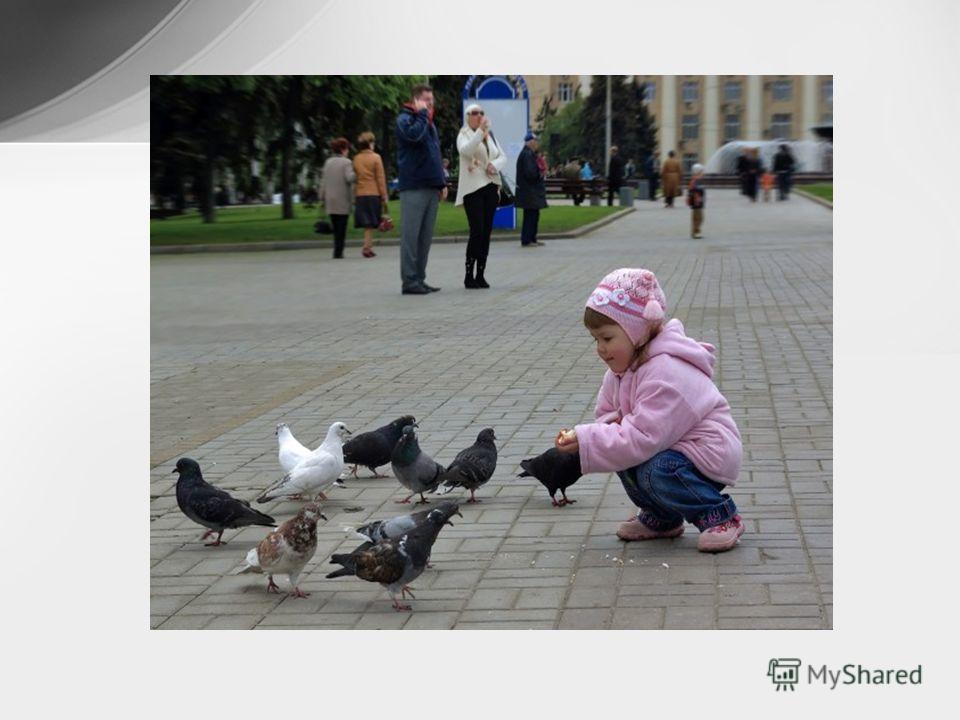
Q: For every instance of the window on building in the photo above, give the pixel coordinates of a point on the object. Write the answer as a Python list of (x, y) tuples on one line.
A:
[(649, 91), (688, 161), (827, 90), (691, 127), (565, 92), (691, 91), (782, 89), (732, 91), (731, 128), (781, 126)]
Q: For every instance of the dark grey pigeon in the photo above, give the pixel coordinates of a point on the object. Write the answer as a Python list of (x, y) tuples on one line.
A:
[(416, 471), (372, 449), (394, 528), (395, 563), (212, 507), (556, 471), (472, 467)]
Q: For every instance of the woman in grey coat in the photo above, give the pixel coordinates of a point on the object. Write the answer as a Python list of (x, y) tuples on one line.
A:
[(336, 193)]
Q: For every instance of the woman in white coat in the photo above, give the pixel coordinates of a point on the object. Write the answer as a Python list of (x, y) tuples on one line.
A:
[(478, 188)]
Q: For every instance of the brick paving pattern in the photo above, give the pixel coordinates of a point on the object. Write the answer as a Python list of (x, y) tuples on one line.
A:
[(243, 341)]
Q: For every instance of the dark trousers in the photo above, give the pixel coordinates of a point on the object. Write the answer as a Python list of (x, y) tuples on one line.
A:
[(783, 185), (652, 187), (611, 191), (528, 232), (480, 206), (339, 223)]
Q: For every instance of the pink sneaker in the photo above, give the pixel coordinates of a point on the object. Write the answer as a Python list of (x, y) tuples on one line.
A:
[(636, 530), (722, 537)]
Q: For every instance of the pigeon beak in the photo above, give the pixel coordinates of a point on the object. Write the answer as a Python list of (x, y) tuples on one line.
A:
[(416, 424), (449, 523), (175, 470), (324, 517), (459, 513)]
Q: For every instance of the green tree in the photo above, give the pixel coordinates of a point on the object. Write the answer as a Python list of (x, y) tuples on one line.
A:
[(563, 132)]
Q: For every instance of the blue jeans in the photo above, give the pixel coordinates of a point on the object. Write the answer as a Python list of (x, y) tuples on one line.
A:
[(669, 489)]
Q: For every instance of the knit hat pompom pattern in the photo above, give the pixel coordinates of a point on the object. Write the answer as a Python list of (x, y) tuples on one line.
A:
[(633, 299)]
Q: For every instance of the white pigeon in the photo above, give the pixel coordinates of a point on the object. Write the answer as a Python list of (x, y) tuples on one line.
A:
[(315, 472), (291, 451)]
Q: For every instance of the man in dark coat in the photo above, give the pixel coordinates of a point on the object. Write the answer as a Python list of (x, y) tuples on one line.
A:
[(652, 176), (615, 174), (531, 192), (783, 167)]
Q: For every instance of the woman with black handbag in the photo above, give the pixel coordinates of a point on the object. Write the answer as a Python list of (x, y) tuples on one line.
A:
[(479, 188)]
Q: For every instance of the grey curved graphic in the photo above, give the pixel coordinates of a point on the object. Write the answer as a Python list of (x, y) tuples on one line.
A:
[(80, 71)]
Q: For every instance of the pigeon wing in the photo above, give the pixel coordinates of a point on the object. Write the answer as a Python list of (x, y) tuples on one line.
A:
[(383, 563)]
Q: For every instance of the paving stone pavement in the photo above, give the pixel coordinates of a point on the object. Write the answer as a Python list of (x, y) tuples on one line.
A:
[(243, 341)]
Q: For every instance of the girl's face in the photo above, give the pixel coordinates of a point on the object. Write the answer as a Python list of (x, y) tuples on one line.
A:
[(614, 347)]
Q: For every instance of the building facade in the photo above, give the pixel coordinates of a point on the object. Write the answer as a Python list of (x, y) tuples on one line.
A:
[(696, 114)]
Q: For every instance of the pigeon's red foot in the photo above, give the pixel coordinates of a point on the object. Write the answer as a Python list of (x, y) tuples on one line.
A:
[(272, 586), (397, 606), (404, 590), (207, 534), (473, 498), (422, 500), (405, 500), (353, 470), (568, 501), (555, 502), (321, 496), (216, 542), (297, 592)]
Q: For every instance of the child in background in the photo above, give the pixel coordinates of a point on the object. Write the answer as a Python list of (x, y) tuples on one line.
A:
[(767, 182), (696, 199), (661, 423)]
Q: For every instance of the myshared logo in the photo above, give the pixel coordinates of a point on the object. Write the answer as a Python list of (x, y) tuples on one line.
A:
[(786, 673)]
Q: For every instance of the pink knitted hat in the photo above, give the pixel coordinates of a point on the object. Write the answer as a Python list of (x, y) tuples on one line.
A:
[(632, 298)]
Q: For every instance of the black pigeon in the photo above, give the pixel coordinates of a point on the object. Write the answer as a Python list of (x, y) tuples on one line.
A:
[(556, 471), (212, 507), (395, 563), (472, 467), (416, 471), (372, 449), (394, 528)]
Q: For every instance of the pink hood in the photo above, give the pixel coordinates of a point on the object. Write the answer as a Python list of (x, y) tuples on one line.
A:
[(668, 403)]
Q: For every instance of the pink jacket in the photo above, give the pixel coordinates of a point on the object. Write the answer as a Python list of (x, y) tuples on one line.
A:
[(668, 403)]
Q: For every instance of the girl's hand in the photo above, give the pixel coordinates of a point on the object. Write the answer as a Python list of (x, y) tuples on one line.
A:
[(566, 441)]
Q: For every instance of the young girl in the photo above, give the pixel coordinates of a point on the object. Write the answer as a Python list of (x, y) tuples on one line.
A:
[(661, 425)]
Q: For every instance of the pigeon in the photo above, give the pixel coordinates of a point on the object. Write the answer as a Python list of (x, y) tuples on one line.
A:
[(415, 470), (556, 471), (314, 473), (395, 563), (472, 467), (372, 449), (212, 507), (394, 528), (286, 550)]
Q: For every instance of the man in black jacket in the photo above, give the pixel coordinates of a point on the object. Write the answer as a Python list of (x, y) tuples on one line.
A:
[(783, 166), (531, 190), (615, 175)]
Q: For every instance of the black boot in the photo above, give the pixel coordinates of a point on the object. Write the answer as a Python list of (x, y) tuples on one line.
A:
[(480, 282), (468, 281)]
